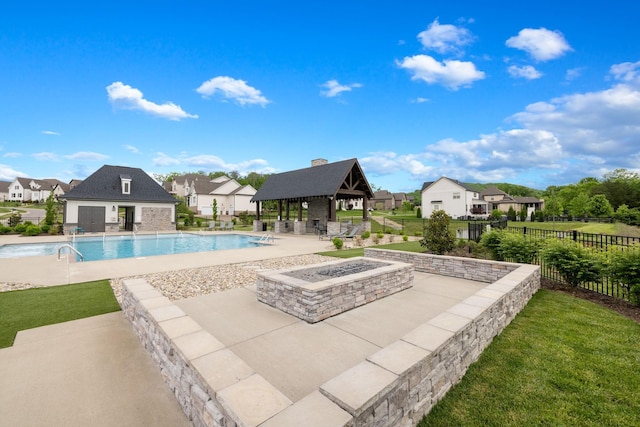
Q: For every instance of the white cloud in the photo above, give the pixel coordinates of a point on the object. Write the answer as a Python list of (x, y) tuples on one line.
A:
[(87, 155), (573, 73), (526, 72), (627, 72), (12, 155), (236, 90), (333, 88), (50, 132), (7, 173), (540, 43), (420, 100), (445, 38), (46, 156), (215, 163), (131, 148), (162, 159), (452, 74), (128, 98)]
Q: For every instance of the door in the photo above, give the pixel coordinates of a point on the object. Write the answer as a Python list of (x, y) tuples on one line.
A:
[(91, 218)]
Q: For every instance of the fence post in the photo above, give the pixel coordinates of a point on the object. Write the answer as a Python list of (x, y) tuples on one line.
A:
[(524, 230), (575, 235)]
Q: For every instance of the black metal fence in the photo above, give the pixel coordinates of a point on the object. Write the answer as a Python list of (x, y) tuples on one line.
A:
[(598, 242)]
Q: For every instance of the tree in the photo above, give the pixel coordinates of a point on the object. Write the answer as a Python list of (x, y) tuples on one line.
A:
[(599, 206), (406, 206), (214, 209), (50, 210), (523, 213), (577, 207), (437, 236), (620, 187), (553, 207), (511, 214)]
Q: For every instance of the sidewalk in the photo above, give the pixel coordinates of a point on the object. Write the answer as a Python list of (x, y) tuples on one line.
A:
[(88, 372)]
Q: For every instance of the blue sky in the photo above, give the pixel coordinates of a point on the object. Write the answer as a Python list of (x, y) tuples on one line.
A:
[(535, 94)]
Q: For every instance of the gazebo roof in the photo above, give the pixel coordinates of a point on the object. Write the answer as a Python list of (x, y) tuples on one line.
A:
[(342, 180)]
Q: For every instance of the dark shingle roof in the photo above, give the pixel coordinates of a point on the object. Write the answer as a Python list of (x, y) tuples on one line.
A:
[(104, 184), (315, 181), (461, 184)]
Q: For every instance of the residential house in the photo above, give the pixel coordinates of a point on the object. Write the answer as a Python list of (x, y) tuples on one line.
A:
[(199, 192), (498, 199), (382, 200), (117, 198), (4, 190), (35, 190), (457, 199)]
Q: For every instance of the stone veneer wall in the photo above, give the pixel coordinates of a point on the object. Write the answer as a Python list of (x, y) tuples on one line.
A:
[(479, 270), (396, 386), (156, 219)]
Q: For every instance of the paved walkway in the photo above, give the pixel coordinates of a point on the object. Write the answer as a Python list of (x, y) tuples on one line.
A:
[(88, 372)]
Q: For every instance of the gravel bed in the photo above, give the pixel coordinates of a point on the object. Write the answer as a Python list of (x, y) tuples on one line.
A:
[(193, 282)]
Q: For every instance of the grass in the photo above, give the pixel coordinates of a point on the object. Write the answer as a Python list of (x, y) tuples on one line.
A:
[(562, 362), (350, 253), (32, 308)]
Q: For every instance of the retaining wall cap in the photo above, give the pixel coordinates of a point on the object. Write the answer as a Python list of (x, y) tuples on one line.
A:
[(253, 400), (314, 410), (357, 388), (399, 357)]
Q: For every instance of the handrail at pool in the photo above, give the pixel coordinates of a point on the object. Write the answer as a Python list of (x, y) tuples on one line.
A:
[(72, 248)]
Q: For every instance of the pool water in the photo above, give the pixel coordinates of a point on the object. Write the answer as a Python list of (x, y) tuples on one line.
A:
[(129, 246)]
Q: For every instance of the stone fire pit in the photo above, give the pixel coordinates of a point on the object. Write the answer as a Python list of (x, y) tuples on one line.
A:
[(313, 293)]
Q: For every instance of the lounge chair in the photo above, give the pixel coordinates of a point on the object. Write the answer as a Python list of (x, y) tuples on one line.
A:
[(353, 232), (340, 234)]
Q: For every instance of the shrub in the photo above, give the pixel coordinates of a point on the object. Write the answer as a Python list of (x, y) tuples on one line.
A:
[(623, 268), (418, 213), (405, 238), (366, 234), (337, 242), (518, 248), (20, 228), (31, 230), (45, 228), (437, 236), (491, 240), (4, 229), (575, 263)]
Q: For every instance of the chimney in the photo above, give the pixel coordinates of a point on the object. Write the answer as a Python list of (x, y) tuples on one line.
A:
[(319, 162)]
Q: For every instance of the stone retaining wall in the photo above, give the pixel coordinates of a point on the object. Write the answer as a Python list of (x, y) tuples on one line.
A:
[(479, 270), (395, 386)]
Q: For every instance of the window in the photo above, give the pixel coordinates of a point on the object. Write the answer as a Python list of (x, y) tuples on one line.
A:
[(456, 196), (125, 181)]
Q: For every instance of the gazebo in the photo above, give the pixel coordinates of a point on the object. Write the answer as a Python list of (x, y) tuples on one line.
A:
[(320, 187)]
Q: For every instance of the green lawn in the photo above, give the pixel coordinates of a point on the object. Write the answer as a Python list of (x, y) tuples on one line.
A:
[(562, 362), (31, 308)]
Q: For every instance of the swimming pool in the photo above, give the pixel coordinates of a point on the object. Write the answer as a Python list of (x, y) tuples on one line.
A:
[(130, 246)]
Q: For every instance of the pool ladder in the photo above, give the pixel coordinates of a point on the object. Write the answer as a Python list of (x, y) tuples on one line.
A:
[(66, 245)]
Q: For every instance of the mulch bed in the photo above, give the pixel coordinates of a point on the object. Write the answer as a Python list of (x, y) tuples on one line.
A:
[(626, 309)]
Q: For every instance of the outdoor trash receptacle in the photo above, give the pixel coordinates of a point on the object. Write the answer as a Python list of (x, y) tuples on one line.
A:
[(264, 226)]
